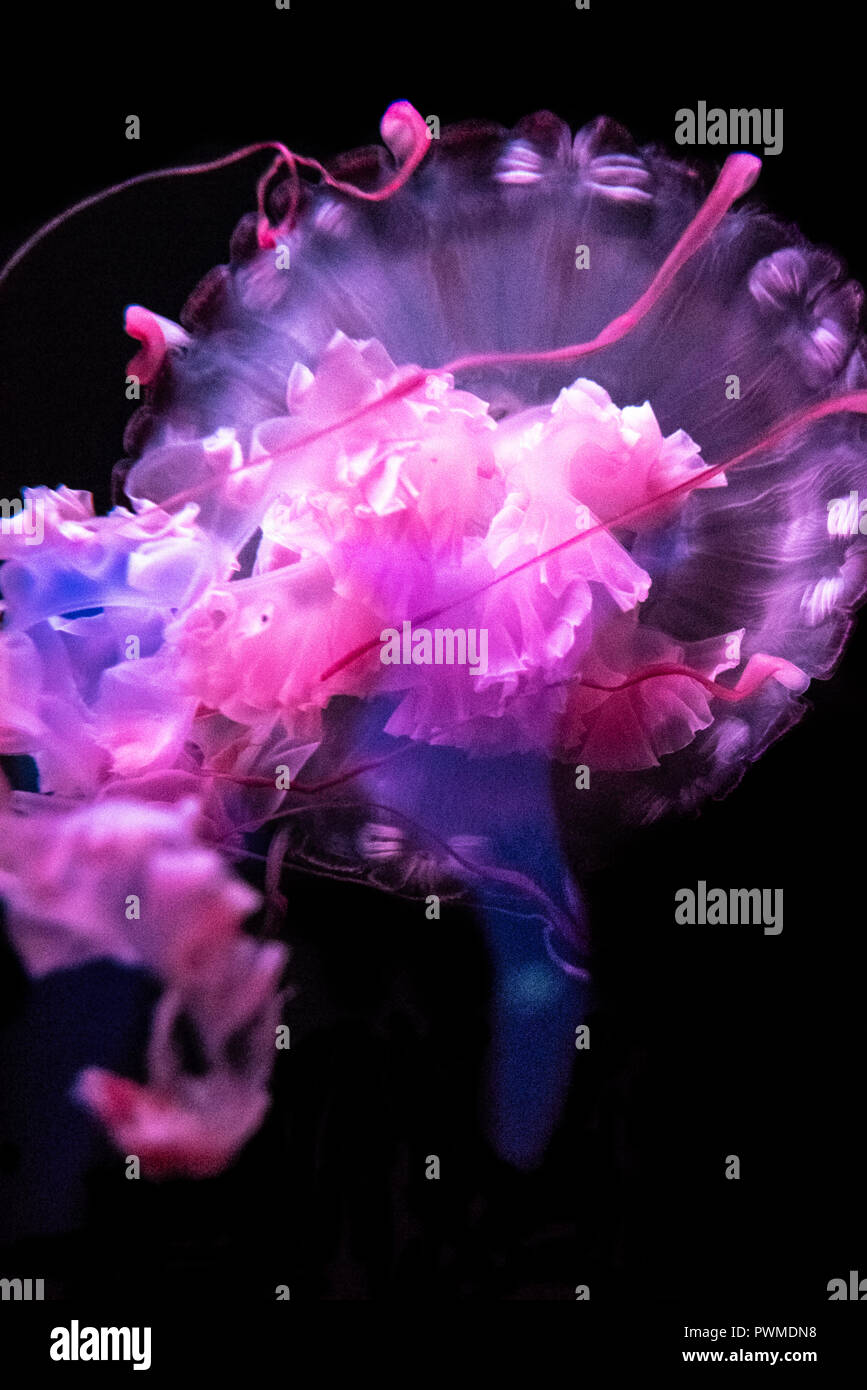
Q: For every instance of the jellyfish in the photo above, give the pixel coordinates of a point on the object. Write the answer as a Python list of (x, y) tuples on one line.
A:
[(492, 502)]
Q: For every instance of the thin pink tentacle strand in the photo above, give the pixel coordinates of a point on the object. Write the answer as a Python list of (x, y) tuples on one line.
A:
[(406, 384), (736, 178), (243, 780), (758, 670), (147, 177), (403, 130)]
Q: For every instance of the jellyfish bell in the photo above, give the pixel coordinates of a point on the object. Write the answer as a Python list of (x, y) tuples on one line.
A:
[(471, 258), (406, 407)]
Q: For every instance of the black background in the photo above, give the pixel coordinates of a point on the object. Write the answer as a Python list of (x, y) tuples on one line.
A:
[(704, 1043)]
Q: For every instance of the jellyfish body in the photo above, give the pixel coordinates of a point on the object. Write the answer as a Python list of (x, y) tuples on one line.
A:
[(476, 255), (386, 539)]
